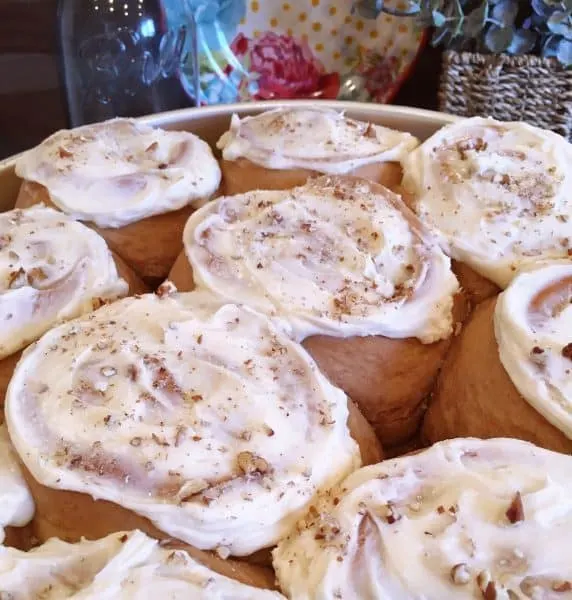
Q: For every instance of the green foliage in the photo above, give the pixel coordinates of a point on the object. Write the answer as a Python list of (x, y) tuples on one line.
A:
[(542, 27)]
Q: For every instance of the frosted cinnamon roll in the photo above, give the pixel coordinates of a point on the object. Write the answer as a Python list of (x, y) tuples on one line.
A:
[(465, 519), (121, 566), (497, 194), (134, 184), (52, 269), (520, 384), (344, 266), (282, 148), (189, 418), (16, 503)]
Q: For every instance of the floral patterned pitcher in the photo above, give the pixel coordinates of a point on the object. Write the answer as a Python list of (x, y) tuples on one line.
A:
[(265, 49)]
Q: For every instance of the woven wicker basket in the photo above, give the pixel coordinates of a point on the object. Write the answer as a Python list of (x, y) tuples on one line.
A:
[(508, 88)]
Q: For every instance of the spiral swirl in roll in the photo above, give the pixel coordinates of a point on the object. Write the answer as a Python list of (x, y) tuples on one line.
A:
[(200, 416), (51, 269), (121, 171), (122, 566), (316, 139), (465, 519), (338, 256), (533, 328), (498, 194)]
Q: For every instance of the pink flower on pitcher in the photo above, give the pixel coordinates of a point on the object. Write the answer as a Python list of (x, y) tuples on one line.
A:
[(286, 68)]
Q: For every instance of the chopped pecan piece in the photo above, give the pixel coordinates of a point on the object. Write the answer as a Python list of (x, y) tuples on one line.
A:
[(251, 464), (562, 586), (515, 512), (392, 515), (370, 132), (167, 288), (17, 279), (567, 351)]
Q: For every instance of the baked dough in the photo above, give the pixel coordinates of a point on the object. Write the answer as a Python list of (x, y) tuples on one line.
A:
[(347, 269), (282, 148), (135, 185)]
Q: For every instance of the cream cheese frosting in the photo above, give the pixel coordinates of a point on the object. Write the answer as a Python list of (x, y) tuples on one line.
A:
[(465, 519), (533, 328), (52, 268), (16, 503), (121, 171), (338, 256), (201, 416), (498, 194), (316, 139), (122, 566)]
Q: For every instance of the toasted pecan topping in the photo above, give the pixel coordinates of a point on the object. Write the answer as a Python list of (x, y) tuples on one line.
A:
[(251, 464), (567, 351), (515, 512)]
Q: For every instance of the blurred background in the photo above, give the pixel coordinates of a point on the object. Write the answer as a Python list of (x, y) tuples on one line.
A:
[(64, 63), (42, 87)]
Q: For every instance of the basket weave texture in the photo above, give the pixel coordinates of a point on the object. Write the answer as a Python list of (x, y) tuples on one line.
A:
[(508, 88)]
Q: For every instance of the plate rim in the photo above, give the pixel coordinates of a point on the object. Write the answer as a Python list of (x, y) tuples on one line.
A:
[(172, 117)]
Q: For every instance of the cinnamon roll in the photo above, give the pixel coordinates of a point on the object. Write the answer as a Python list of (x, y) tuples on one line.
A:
[(16, 503), (121, 566), (519, 386), (133, 184), (280, 149), (181, 416), (464, 519), (497, 195), (52, 268), (348, 269)]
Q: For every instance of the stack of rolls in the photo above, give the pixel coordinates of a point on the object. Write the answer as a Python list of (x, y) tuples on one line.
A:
[(336, 297)]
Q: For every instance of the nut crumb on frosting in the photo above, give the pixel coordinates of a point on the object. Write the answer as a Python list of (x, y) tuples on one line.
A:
[(515, 512)]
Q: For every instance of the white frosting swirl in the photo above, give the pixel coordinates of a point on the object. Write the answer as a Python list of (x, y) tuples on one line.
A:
[(16, 503), (121, 171), (533, 328), (465, 519), (499, 194), (317, 139), (122, 566), (338, 256), (51, 269), (200, 416)]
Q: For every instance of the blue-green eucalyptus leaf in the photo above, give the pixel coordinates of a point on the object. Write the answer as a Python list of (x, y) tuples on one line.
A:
[(442, 36), (541, 8), (475, 21), (439, 19), (498, 39), (454, 10), (550, 46), (564, 52), (559, 23), (504, 13), (523, 42)]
